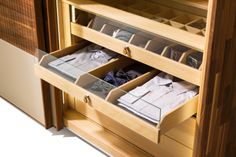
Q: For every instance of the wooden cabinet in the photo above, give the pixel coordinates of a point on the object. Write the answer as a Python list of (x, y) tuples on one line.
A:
[(156, 27)]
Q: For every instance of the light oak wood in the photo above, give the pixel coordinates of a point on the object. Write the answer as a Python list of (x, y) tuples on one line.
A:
[(159, 62), (179, 36), (63, 21), (101, 137), (116, 93), (184, 133), (86, 129), (69, 101), (179, 115), (179, 138)]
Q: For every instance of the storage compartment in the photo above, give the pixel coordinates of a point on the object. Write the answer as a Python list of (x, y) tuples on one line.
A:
[(139, 40), (148, 16), (77, 60), (108, 104), (102, 80), (175, 52), (193, 59), (146, 98)]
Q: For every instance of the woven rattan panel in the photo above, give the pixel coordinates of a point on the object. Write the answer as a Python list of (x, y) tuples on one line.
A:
[(18, 24)]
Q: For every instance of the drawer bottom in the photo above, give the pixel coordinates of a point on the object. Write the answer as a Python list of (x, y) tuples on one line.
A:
[(115, 145)]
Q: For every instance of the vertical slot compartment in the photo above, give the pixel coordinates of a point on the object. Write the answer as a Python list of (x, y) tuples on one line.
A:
[(182, 20), (97, 23), (192, 58), (81, 17), (158, 45), (109, 29), (139, 40), (175, 52), (124, 35), (196, 26), (184, 56)]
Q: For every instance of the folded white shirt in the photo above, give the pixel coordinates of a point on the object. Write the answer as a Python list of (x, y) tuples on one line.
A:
[(82, 60), (157, 97)]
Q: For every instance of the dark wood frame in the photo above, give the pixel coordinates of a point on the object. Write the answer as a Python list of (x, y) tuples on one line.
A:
[(47, 34)]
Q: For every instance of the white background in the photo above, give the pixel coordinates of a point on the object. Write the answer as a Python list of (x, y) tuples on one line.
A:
[(21, 136)]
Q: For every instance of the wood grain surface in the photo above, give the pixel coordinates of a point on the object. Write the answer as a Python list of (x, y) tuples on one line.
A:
[(216, 129)]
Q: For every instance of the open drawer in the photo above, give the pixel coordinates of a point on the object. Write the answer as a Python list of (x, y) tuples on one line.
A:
[(90, 86), (150, 49), (153, 17)]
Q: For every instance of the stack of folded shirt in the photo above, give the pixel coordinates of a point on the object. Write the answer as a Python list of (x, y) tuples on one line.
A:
[(153, 100), (82, 60)]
